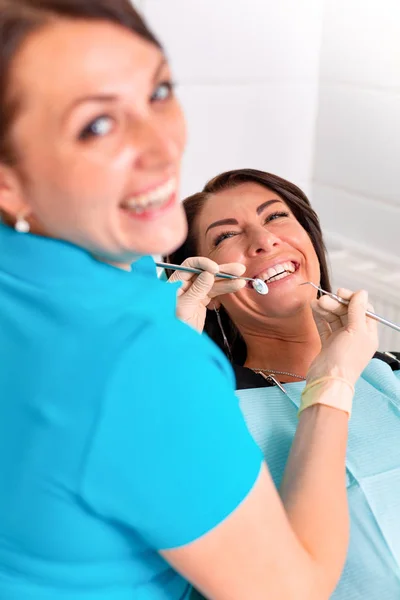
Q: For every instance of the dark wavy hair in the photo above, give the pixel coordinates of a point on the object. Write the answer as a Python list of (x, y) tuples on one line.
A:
[(301, 208)]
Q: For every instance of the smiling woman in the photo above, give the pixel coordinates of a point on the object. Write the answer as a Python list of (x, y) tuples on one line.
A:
[(267, 224), (97, 126), (105, 472)]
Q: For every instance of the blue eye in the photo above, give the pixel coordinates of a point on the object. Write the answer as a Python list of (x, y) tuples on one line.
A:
[(99, 127), (163, 92)]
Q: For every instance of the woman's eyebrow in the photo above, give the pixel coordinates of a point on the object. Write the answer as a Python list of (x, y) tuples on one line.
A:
[(113, 97), (259, 210), (163, 63), (90, 98), (222, 222), (265, 205)]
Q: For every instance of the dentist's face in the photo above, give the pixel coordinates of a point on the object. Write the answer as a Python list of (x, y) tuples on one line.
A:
[(100, 137)]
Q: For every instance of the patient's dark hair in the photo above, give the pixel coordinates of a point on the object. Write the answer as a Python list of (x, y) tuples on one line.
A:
[(299, 205)]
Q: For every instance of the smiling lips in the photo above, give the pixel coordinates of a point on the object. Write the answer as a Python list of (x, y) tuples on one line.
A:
[(277, 272), (152, 200)]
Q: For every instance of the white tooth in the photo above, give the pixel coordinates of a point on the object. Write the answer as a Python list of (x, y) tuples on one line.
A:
[(289, 266), (156, 202), (153, 198), (272, 271), (278, 271), (280, 276), (279, 268)]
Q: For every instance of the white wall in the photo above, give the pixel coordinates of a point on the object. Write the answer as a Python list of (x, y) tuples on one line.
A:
[(357, 152), (248, 79), (356, 187), (309, 90)]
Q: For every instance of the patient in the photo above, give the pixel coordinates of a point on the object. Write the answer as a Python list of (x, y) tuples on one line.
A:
[(268, 225)]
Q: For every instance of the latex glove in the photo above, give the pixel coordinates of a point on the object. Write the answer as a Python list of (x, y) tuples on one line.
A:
[(349, 338), (197, 291)]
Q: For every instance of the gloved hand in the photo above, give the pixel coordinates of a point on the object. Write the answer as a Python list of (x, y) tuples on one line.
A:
[(349, 338), (197, 291)]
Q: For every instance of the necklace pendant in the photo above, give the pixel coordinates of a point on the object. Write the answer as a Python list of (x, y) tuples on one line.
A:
[(273, 380), (278, 383)]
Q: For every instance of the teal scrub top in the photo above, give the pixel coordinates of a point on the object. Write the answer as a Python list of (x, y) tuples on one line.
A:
[(111, 413), (372, 569)]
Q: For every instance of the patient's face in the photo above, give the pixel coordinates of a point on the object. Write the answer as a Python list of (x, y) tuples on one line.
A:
[(252, 225)]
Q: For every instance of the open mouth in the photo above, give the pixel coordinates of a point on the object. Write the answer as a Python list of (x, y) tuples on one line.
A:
[(278, 272), (157, 199)]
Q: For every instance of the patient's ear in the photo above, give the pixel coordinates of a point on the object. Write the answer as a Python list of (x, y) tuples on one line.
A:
[(12, 200)]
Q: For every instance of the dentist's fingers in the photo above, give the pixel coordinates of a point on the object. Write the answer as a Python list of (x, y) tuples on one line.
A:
[(229, 286), (195, 262)]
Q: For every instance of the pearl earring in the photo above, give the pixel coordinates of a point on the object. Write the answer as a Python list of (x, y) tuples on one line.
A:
[(22, 225)]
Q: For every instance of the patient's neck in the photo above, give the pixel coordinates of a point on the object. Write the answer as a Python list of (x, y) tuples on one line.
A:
[(289, 344)]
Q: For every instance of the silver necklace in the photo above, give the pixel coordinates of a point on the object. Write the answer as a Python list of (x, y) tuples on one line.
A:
[(275, 372), (269, 375)]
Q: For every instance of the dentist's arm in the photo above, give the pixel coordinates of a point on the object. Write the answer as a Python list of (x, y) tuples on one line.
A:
[(293, 547)]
